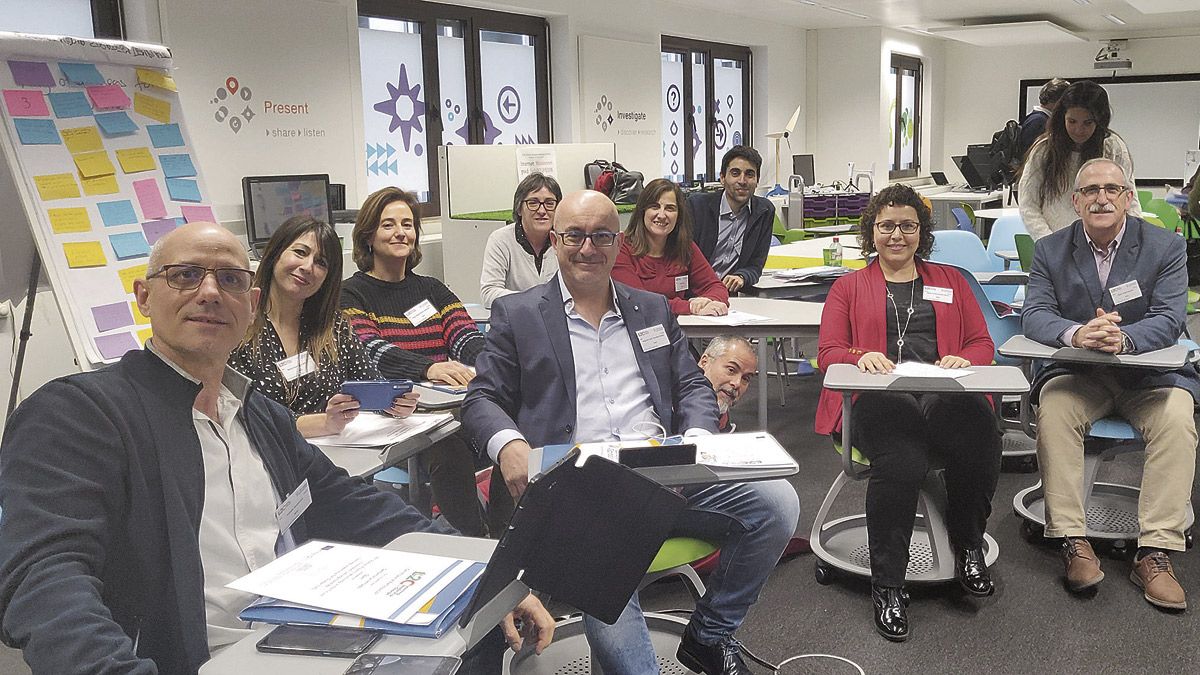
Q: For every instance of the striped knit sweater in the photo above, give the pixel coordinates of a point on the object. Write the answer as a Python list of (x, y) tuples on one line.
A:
[(376, 308)]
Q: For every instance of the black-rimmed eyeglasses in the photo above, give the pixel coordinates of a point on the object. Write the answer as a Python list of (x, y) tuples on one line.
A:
[(189, 277), (600, 238), (906, 226), (1110, 189), (534, 204)]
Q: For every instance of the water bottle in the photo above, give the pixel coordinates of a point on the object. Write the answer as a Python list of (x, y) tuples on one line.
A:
[(833, 253)]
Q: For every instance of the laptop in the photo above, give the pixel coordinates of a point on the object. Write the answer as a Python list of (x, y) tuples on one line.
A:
[(939, 177), (969, 172)]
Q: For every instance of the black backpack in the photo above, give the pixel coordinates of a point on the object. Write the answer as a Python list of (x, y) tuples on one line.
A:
[(621, 185), (1005, 151)]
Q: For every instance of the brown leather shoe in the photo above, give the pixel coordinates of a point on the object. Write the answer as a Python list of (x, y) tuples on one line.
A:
[(1154, 575), (1083, 569)]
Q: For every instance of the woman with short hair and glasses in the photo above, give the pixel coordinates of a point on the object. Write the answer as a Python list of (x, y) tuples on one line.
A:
[(902, 308), (515, 258)]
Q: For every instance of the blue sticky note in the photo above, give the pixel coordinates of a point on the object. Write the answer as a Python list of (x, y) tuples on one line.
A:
[(183, 190), (117, 213), (37, 132), (116, 123), (81, 73), (129, 245), (177, 166), (165, 135), (70, 104)]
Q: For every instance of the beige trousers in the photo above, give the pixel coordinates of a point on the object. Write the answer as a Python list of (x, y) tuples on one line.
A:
[(1068, 406)]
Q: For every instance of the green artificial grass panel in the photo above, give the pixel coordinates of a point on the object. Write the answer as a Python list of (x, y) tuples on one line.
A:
[(505, 215)]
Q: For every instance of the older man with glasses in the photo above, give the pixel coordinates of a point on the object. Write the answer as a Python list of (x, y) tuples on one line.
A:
[(1115, 284)]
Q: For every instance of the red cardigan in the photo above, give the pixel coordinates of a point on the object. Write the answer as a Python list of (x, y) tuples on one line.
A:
[(657, 275), (854, 323)]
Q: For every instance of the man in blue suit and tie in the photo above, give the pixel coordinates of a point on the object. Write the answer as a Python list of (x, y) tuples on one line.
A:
[(581, 358), (1115, 284)]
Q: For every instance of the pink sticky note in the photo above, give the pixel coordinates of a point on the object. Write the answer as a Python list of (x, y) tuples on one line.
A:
[(198, 214), (26, 103), (150, 198), (108, 97), (112, 316), (115, 346), (157, 228)]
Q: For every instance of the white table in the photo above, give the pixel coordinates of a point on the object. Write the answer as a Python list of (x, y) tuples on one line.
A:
[(1167, 358), (945, 200), (998, 213), (808, 253), (360, 461), (1009, 257), (1005, 278), (831, 229), (770, 286)]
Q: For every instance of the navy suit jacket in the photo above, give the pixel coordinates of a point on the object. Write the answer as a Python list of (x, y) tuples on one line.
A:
[(1064, 290), (526, 374), (706, 213)]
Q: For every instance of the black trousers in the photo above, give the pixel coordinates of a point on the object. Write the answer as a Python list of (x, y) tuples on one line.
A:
[(900, 433), (451, 467)]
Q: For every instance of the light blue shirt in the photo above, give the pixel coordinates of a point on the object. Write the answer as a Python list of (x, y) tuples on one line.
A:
[(731, 231)]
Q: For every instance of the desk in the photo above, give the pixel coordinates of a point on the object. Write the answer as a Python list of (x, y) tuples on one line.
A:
[(360, 461), (807, 253), (944, 201), (1005, 278), (994, 214), (769, 286), (1009, 257), (1167, 358), (831, 229)]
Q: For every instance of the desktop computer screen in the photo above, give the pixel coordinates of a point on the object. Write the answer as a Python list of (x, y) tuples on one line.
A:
[(802, 165), (270, 200)]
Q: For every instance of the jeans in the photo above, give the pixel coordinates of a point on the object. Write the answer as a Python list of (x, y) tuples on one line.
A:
[(752, 523)]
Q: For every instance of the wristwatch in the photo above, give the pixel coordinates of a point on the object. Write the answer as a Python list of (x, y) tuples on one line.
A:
[(1126, 344)]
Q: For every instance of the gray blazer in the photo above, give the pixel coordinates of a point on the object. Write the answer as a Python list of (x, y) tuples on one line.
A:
[(1064, 290), (526, 374)]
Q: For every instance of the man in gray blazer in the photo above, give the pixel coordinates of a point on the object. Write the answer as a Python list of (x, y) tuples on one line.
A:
[(581, 358), (1116, 284)]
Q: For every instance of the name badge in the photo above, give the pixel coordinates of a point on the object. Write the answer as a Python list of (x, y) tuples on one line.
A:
[(681, 283), (652, 338), (938, 294), (1125, 292), (296, 367), (295, 505), (420, 312)]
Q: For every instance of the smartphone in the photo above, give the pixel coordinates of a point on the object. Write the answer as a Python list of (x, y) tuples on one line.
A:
[(308, 640), (403, 664), (376, 394)]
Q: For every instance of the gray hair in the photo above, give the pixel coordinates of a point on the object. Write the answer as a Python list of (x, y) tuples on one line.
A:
[(722, 343), (1100, 160)]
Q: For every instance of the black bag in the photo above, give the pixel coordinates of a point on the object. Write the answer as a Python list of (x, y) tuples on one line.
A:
[(620, 184), (1005, 151)]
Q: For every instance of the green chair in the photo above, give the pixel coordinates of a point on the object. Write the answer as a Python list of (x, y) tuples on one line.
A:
[(778, 228), (1168, 214), (1192, 298), (1153, 219), (1024, 244), (675, 558), (970, 212), (1144, 196), (792, 236)]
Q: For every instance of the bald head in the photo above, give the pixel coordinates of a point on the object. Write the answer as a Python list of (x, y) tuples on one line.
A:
[(584, 266), (190, 235), (589, 204)]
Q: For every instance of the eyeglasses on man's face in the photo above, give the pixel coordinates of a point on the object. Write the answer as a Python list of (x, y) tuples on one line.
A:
[(575, 238), (184, 277), (1093, 191), (535, 204), (889, 226)]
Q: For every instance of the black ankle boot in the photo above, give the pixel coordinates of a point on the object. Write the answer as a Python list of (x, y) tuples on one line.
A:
[(973, 573), (891, 612)]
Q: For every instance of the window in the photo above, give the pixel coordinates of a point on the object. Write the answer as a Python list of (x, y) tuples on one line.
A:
[(904, 141), (77, 18), (706, 106), (437, 74)]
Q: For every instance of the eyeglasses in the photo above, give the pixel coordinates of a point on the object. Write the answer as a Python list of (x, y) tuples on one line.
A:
[(600, 238), (906, 226), (1093, 191), (533, 204), (189, 277)]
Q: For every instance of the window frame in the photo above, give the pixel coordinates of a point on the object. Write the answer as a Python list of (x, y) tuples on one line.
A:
[(108, 19), (902, 62)]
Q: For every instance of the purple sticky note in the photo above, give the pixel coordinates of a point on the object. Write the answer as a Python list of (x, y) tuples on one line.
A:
[(198, 214), (150, 197), (31, 74), (157, 228), (114, 346), (112, 316)]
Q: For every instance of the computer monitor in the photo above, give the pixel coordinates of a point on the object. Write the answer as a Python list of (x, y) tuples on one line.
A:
[(270, 200), (980, 155), (969, 172), (802, 165)]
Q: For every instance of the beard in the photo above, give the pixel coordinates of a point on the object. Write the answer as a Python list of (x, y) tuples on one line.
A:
[(725, 401)]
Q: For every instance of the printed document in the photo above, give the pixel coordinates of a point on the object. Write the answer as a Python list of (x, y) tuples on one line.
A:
[(915, 369), (370, 430)]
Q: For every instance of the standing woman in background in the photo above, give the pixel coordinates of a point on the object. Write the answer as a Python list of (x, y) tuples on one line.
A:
[(1077, 131), (515, 257)]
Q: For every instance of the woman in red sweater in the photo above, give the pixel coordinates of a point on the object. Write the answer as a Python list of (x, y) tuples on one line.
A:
[(903, 308), (658, 255)]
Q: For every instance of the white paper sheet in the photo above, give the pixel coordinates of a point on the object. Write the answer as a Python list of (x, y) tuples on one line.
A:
[(369, 430), (735, 318), (914, 369), (755, 450)]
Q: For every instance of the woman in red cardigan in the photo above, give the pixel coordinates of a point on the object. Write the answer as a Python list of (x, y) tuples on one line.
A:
[(658, 254), (903, 308)]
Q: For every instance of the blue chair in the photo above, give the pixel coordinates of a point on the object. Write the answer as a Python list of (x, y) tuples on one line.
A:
[(1003, 237), (963, 249), (963, 220)]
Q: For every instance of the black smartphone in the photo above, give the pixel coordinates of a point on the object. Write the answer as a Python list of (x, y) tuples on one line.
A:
[(403, 664), (291, 638), (376, 394)]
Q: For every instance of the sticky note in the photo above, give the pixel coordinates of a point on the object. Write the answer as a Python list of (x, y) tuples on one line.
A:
[(82, 139), (84, 254), (37, 132), (150, 198), (135, 160), (81, 73), (156, 78), (114, 346), (154, 108), (64, 221), (183, 190), (70, 104), (117, 213), (116, 123), (129, 245), (165, 135), (116, 315), (177, 166), (138, 318), (128, 275), (198, 214), (155, 229), (108, 97), (56, 186), (31, 74), (144, 334), (92, 164), (25, 103), (100, 185)]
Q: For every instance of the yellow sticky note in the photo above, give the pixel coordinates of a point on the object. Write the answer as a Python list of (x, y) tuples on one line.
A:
[(101, 185), (134, 160), (128, 274), (84, 254), (63, 221), (154, 108), (82, 139), (156, 78), (143, 335), (139, 318), (92, 164), (56, 186)]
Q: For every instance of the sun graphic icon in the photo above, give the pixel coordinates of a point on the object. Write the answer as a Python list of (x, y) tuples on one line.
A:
[(403, 107)]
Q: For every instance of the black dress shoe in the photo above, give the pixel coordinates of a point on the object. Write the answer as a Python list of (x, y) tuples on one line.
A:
[(891, 612), (973, 573), (719, 659)]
